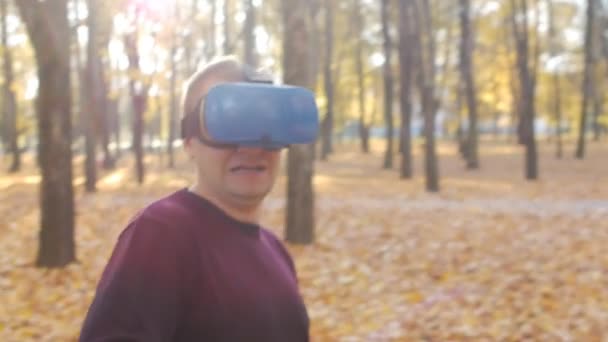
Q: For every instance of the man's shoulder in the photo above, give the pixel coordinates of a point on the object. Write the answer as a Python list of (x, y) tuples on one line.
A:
[(169, 209), (164, 218)]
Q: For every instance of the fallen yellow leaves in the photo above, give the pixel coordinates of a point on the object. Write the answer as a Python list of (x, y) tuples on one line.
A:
[(490, 258)]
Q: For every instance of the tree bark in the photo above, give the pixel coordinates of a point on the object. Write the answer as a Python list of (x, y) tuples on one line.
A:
[(47, 26), (527, 86), (363, 128), (9, 102), (328, 122), (557, 97), (425, 45), (300, 223), (250, 54), (212, 44), (466, 70), (587, 80), (139, 98), (388, 85), (227, 28), (92, 101), (406, 64)]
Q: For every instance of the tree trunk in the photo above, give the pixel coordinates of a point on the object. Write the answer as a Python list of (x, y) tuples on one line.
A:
[(328, 122), (92, 100), (212, 45), (587, 80), (557, 97), (425, 45), (300, 165), (313, 57), (466, 70), (388, 85), (172, 102), (527, 87), (9, 102), (363, 128), (47, 26), (105, 114), (227, 28), (139, 98), (406, 64), (250, 54)]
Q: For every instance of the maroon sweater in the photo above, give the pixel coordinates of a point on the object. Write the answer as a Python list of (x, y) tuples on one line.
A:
[(183, 270)]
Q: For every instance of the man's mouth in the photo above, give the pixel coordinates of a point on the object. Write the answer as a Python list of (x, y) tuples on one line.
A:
[(248, 168)]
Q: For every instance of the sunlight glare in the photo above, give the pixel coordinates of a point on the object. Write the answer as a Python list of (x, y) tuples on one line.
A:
[(377, 59)]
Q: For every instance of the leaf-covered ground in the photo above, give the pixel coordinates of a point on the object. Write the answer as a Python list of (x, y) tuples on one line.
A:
[(492, 257)]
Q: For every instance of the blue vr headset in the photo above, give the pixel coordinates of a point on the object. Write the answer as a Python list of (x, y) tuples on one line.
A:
[(258, 115)]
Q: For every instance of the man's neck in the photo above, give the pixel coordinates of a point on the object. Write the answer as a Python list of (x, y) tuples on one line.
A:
[(245, 212)]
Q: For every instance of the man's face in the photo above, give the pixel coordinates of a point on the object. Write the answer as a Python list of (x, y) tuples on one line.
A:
[(239, 176)]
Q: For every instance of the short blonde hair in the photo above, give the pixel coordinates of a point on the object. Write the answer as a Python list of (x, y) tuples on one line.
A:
[(225, 68)]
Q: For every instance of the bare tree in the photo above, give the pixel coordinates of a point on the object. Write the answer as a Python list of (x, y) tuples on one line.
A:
[(9, 102), (466, 70), (527, 83), (92, 99), (586, 87), (251, 57), (328, 122), (388, 84), (557, 98), (173, 91), (406, 64), (300, 164), (228, 48), (425, 45), (139, 99), (48, 28), (358, 26)]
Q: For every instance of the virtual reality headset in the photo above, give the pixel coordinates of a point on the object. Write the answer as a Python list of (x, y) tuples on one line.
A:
[(257, 115)]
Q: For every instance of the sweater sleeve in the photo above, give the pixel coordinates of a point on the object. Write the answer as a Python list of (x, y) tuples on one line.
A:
[(140, 295)]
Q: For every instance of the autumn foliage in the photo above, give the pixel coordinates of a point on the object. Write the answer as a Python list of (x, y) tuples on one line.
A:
[(491, 258)]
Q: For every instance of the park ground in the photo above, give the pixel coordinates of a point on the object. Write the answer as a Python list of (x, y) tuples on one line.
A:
[(491, 257)]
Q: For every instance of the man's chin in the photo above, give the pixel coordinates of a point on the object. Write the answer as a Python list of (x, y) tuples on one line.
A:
[(250, 196)]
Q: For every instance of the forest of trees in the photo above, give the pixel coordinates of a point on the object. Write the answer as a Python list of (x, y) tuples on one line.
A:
[(103, 78)]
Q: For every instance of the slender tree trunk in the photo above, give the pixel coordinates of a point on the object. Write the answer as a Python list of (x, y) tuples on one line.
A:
[(227, 28), (9, 102), (47, 26), (212, 45), (314, 34), (173, 104), (328, 122), (363, 128), (300, 222), (250, 54), (91, 122), (113, 105), (388, 85), (527, 86), (557, 97), (105, 118), (466, 70), (426, 77), (406, 64), (587, 80), (139, 98)]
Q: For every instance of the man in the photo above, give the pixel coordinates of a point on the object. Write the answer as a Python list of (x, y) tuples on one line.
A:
[(196, 265)]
